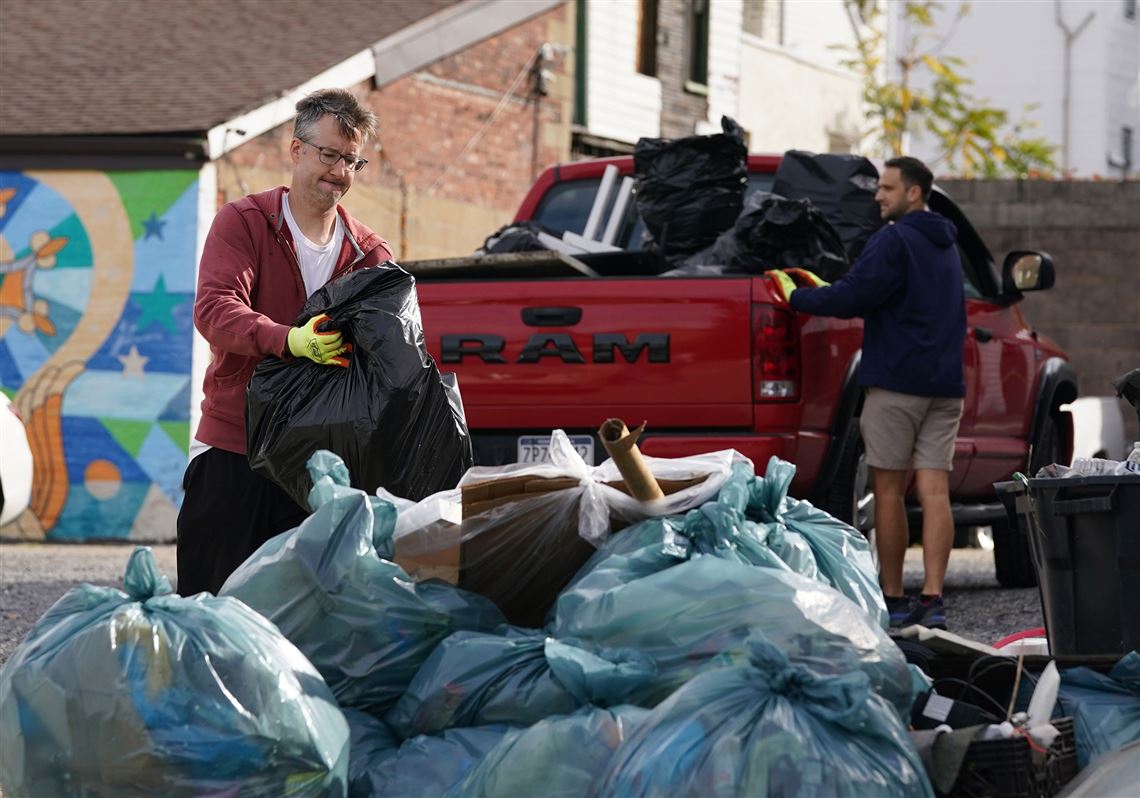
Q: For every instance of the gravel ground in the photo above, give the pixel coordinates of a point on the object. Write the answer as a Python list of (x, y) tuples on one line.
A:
[(34, 575)]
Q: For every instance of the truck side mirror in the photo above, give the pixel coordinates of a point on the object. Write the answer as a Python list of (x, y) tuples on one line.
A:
[(1026, 270)]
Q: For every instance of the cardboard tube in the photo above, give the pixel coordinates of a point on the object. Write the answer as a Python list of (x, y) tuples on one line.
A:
[(621, 443)]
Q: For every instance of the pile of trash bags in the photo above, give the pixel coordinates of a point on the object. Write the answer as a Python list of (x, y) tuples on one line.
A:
[(728, 639)]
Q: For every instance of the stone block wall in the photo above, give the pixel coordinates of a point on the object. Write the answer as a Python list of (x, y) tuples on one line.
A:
[(1092, 231)]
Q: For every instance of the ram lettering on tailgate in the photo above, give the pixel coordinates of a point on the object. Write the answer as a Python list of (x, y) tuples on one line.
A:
[(606, 347)]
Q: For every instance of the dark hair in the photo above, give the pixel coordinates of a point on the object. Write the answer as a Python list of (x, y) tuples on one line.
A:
[(355, 120), (914, 173)]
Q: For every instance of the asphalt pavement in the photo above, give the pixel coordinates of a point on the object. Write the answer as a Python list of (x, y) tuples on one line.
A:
[(33, 576)]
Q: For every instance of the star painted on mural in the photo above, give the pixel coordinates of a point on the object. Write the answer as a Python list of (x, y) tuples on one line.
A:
[(133, 363), (157, 306), (153, 226)]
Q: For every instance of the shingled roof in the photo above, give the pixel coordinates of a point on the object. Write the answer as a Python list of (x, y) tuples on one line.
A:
[(115, 83), (173, 66)]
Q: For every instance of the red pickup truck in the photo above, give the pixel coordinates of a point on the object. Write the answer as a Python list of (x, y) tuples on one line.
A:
[(722, 362)]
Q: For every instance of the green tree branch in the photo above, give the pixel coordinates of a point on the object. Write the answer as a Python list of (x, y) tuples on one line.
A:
[(974, 139)]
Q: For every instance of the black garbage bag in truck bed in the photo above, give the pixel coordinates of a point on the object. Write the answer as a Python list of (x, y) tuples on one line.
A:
[(689, 190), (842, 187), (389, 415)]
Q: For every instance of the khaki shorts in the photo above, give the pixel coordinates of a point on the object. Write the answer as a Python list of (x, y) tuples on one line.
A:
[(901, 430)]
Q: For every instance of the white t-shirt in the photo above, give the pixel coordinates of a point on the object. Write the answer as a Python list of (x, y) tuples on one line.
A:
[(317, 263), (317, 260)]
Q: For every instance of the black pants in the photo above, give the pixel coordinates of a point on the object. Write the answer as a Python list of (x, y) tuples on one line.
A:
[(227, 513)]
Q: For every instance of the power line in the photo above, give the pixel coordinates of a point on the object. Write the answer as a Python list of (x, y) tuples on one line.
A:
[(471, 142)]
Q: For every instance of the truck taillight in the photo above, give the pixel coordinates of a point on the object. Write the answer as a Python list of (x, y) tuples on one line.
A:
[(775, 354)]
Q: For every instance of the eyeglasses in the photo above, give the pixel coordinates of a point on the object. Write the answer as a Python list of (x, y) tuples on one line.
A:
[(328, 156)]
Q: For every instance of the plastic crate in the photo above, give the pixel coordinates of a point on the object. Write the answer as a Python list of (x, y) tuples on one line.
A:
[(1007, 768)]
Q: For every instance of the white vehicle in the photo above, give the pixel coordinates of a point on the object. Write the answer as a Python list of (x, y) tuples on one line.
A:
[(15, 464)]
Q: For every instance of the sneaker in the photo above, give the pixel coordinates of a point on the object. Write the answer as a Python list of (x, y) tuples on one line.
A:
[(931, 614), (899, 608)]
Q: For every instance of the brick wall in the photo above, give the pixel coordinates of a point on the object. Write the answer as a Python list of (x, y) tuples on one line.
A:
[(680, 109), (426, 120), (1091, 230)]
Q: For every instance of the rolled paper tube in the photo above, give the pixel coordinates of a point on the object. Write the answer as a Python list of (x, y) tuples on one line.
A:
[(621, 443)]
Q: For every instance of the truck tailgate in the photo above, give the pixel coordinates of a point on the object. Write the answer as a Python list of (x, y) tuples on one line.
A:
[(537, 354)]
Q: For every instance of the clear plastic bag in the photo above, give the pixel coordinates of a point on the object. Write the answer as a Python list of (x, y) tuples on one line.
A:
[(698, 614), (521, 547), (146, 693), (768, 727), (359, 618), (559, 757)]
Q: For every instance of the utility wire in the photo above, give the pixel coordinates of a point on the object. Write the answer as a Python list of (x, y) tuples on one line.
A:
[(471, 142)]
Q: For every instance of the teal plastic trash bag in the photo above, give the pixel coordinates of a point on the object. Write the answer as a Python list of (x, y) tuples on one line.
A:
[(145, 693), (636, 551), (364, 624), (371, 743), (1105, 708), (768, 728), (698, 614), (517, 678), (560, 757), (842, 554), (422, 767)]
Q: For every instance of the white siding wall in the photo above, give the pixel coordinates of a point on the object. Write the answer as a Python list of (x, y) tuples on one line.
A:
[(795, 94), (811, 27), (621, 103), (725, 23), (793, 103)]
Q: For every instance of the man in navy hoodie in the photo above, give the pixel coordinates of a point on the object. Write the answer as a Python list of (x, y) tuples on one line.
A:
[(907, 287)]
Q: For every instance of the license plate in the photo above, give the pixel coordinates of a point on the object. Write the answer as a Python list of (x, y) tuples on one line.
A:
[(536, 448)]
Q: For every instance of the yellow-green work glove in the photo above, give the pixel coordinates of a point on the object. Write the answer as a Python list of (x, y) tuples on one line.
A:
[(784, 283), (806, 279), (788, 280), (325, 347)]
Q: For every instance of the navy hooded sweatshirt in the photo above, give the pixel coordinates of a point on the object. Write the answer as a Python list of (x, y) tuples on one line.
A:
[(907, 287)]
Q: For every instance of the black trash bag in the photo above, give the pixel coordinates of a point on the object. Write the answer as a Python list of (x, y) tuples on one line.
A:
[(778, 233), (842, 187), (690, 190), (388, 416), (516, 237)]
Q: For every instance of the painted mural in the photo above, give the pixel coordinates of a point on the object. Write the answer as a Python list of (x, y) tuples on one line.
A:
[(96, 296)]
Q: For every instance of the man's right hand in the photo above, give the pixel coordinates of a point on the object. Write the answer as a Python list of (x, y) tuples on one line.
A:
[(325, 347), (788, 280)]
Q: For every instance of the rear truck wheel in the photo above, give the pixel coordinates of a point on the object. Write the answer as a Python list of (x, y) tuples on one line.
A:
[(849, 497), (1013, 563)]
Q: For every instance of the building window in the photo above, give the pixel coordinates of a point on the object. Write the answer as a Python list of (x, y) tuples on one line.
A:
[(765, 18), (699, 41), (1130, 9), (647, 37)]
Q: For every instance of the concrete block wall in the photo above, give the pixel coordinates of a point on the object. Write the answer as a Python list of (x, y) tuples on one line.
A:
[(426, 120), (1092, 231)]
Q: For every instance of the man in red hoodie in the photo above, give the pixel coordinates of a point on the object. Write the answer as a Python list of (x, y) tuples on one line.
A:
[(264, 256)]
